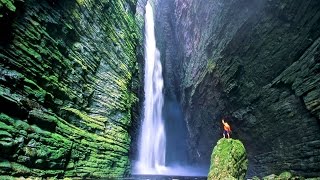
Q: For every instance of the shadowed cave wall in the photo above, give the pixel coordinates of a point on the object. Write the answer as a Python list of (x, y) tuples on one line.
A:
[(257, 64), (68, 83)]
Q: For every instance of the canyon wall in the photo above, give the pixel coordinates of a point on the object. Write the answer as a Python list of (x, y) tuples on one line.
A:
[(254, 63), (69, 78)]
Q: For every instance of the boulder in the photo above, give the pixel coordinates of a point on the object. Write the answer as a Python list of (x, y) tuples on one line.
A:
[(228, 160)]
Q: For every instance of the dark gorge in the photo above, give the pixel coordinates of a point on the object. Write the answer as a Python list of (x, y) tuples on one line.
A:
[(72, 73)]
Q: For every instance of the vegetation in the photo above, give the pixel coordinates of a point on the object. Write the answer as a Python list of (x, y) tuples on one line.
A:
[(228, 160), (66, 85)]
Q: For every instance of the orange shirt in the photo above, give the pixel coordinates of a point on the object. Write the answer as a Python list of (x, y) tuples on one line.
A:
[(226, 127)]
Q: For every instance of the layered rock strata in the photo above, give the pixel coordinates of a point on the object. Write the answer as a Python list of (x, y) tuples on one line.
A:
[(256, 63), (68, 75)]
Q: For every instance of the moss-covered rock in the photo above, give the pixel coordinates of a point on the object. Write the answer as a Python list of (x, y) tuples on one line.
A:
[(228, 160), (66, 75), (286, 175), (9, 4)]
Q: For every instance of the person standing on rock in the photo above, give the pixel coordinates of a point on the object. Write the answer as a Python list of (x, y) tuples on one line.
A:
[(226, 129)]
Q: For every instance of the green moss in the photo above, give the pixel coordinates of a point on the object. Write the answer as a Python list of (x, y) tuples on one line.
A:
[(33, 89), (5, 123), (46, 173), (228, 160), (9, 4), (67, 62), (7, 177), (211, 66), (5, 118), (110, 142), (21, 125), (5, 165), (30, 151), (53, 78), (41, 118), (255, 178), (39, 131), (29, 51), (285, 176), (57, 154), (38, 94), (83, 2), (20, 169), (81, 63), (5, 134), (6, 127), (93, 122), (270, 177)]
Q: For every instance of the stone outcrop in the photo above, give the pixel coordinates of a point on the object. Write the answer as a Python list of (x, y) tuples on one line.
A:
[(284, 176), (68, 76), (228, 160), (256, 63)]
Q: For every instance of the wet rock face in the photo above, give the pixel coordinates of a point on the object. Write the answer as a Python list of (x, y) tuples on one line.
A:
[(228, 160), (68, 75), (256, 63)]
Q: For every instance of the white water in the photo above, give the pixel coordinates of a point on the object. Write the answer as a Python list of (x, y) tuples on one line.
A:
[(152, 148)]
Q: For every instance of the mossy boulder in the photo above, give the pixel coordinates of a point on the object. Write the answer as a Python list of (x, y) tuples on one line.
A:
[(286, 175), (228, 160)]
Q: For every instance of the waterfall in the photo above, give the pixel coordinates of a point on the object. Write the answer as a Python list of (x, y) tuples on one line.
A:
[(152, 139), (152, 147)]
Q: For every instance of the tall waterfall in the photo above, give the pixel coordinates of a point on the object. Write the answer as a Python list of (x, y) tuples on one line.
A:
[(152, 147)]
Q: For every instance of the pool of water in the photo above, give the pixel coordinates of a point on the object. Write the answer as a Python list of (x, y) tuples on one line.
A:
[(164, 177)]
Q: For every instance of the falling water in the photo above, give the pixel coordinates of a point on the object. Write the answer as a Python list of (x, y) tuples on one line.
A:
[(152, 149)]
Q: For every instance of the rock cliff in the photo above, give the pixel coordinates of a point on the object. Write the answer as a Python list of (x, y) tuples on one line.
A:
[(256, 63), (68, 79)]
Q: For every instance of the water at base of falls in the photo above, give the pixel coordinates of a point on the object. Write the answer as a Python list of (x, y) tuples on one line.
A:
[(165, 177), (170, 171)]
